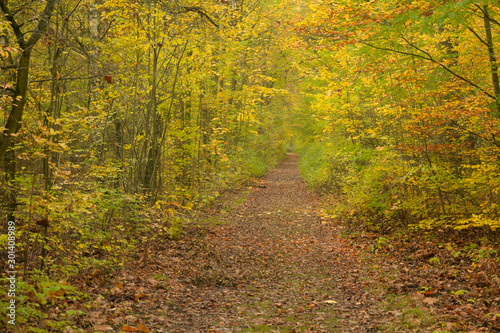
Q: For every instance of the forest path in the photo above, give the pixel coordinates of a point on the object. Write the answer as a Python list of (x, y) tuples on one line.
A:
[(273, 264), (264, 261)]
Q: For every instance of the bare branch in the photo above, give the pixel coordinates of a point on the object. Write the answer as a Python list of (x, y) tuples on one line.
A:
[(8, 67), (74, 8), (202, 12), (65, 79)]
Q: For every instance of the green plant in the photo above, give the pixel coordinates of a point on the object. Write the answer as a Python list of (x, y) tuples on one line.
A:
[(176, 227), (459, 292), (379, 244), (411, 316), (434, 261), (34, 297)]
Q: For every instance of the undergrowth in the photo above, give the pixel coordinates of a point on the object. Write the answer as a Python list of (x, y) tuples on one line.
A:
[(73, 241)]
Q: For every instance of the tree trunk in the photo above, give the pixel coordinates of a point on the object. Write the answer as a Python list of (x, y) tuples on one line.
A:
[(492, 56), (93, 68), (154, 145), (16, 114)]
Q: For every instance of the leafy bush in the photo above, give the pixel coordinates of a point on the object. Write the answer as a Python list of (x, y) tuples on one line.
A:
[(383, 188), (254, 164), (262, 156), (368, 182), (324, 169), (36, 299)]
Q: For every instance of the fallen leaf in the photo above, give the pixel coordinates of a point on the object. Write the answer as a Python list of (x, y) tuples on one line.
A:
[(430, 300), (330, 302), (143, 328), (429, 292), (395, 313), (108, 78), (129, 329), (419, 295)]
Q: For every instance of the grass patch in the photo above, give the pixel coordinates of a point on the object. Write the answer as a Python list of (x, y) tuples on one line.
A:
[(258, 328), (236, 202), (160, 277), (408, 315), (212, 220)]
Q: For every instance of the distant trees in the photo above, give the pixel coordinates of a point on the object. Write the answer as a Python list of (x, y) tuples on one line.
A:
[(407, 96)]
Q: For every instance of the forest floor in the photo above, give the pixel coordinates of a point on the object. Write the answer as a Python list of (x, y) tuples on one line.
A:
[(268, 259)]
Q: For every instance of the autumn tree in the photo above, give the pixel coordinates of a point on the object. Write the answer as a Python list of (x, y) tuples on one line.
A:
[(133, 114), (409, 92), (25, 43)]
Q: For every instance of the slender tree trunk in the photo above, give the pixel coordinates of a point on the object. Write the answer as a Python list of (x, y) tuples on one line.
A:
[(492, 56), (16, 114), (154, 146), (93, 56), (10, 176)]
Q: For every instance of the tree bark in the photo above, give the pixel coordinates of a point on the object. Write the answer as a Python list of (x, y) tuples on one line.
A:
[(94, 54), (492, 56)]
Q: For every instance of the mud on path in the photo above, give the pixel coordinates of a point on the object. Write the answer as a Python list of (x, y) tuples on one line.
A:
[(265, 261)]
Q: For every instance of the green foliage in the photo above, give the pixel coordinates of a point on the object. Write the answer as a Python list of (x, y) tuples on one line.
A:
[(412, 317), (176, 226), (459, 292), (261, 153), (422, 123), (34, 298), (254, 164), (369, 182), (324, 168), (379, 244), (434, 261), (139, 112)]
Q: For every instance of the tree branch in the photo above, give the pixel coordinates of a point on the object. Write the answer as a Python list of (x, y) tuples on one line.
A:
[(8, 67), (42, 24), (429, 57), (478, 37), (17, 108), (74, 8), (65, 79), (15, 26), (202, 12)]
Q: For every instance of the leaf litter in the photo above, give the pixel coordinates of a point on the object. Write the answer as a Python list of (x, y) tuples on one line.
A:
[(276, 263)]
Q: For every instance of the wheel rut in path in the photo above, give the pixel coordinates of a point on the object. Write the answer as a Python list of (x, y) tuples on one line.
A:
[(271, 264)]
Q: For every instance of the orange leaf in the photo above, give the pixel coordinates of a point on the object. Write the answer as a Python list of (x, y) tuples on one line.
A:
[(428, 292), (143, 328), (108, 78), (130, 329)]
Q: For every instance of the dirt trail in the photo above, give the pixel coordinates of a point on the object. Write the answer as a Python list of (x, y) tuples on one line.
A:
[(273, 265), (264, 260)]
